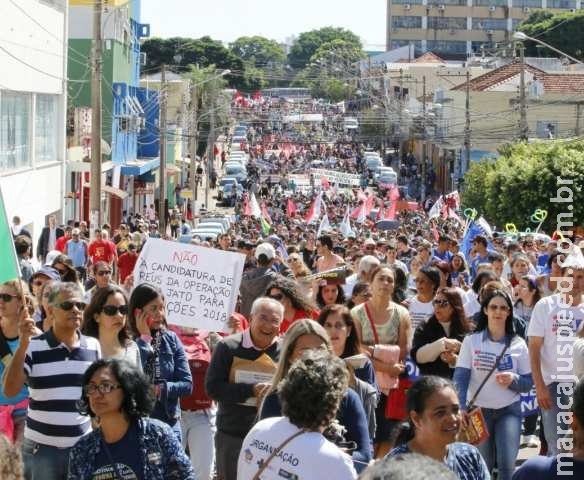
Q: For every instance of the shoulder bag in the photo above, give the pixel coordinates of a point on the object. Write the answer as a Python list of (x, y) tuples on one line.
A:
[(276, 451), (476, 430)]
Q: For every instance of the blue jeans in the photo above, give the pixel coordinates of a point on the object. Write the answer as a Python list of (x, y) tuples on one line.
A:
[(549, 418), (44, 462), (504, 426)]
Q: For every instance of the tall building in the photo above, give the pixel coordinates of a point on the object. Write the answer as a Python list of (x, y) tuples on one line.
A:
[(33, 96), (461, 27)]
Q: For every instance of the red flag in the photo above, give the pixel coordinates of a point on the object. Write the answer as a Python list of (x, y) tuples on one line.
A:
[(246, 206), (393, 195), (379, 215), (325, 183), (290, 208), (434, 231), (355, 213), (361, 195), (369, 204), (257, 95)]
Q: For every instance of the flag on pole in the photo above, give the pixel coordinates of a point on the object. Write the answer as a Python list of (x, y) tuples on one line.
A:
[(361, 216), (325, 225), (436, 209), (265, 214), (393, 195), (246, 205), (345, 226), (314, 211), (476, 227), (254, 207), (265, 226), (290, 208), (9, 269)]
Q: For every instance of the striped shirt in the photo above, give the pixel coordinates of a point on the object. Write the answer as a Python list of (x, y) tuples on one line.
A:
[(55, 376)]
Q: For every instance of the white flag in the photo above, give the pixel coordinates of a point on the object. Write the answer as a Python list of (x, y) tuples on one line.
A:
[(256, 211), (345, 225), (325, 226)]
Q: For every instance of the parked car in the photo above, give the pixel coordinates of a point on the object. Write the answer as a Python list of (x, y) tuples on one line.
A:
[(237, 171), (226, 189)]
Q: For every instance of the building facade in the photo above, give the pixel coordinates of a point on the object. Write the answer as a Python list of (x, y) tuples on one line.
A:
[(33, 89), (461, 27)]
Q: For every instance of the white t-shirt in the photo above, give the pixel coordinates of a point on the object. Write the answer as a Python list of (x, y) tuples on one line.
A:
[(309, 456), (419, 311), (545, 320), (478, 353)]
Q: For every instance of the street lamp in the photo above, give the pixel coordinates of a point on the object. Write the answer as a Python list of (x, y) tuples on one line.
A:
[(522, 36)]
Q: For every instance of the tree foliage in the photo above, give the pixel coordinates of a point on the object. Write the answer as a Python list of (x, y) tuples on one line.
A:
[(259, 51), (563, 31), (524, 179), (308, 43)]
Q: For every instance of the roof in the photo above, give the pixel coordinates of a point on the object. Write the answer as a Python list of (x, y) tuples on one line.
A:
[(428, 57), (558, 82)]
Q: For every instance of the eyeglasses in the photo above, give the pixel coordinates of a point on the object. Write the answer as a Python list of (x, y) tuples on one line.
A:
[(6, 297), (502, 308), (68, 305), (293, 259), (440, 302), (113, 309), (102, 388), (335, 326), (103, 273), (277, 296), (61, 271)]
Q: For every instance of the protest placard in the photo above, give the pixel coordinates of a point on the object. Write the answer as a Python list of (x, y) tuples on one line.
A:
[(200, 285)]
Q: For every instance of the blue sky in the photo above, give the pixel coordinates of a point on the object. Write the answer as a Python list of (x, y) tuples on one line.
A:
[(227, 20)]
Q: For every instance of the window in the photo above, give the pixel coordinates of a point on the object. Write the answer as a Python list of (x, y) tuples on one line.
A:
[(527, 3), (561, 3), (403, 2), (15, 126), (489, 24), (46, 124), (406, 22), (447, 23), (446, 46), (490, 3)]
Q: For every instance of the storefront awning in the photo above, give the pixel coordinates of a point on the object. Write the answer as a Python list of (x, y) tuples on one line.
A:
[(114, 191), (139, 167)]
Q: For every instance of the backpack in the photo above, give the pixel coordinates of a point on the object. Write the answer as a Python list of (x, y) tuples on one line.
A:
[(199, 356)]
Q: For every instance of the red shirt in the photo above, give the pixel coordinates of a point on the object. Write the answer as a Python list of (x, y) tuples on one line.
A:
[(126, 264), (101, 251), (298, 315), (61, 243)]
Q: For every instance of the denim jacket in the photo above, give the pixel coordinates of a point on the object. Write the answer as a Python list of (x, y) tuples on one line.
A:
[(160, 452), (175, 372)]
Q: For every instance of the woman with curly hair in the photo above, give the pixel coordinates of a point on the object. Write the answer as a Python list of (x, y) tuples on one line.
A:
[(127, 443), (296, 305), (303, 336), (310, 395)]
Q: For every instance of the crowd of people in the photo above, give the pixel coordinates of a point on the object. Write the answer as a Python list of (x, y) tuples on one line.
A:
[(349, 353)]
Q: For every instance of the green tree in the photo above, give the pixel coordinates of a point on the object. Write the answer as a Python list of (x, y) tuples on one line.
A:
[(562, 31), (309, 42), (258, 51), (524, 179)]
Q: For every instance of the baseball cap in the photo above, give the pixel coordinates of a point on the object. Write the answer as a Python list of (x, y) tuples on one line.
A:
[(48, 272), (50, 258), (265, 249)]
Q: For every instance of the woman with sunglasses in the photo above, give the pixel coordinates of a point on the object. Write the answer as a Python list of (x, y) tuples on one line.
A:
[(495, 344), (105, 318), (102, 274), (127, 444), (360, 294), (437, 342), (300, 270), (12, 311), (296, 305), (162, 353), (64, 265)]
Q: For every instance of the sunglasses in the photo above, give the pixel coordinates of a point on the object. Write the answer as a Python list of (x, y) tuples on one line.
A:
[(103, 273), (293, 259), (68, 305), (61, 271), (440, 302), (6, 297), (277, 296), (112, 310)]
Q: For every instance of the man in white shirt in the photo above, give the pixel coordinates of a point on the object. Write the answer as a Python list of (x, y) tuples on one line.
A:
[(555, 320), (366, 265)]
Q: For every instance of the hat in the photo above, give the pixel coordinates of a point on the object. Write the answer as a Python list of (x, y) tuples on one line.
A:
[(48, 272), (265, 249), (370, 241), (51, 257)]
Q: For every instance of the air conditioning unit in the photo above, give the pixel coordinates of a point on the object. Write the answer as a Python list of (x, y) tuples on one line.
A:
[(492, 8), (489, 32), (441, 7), (526, 9), (407, 6)]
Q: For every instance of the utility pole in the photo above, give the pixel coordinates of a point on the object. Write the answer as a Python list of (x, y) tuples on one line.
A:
[(95, 179), (193, 148), (424, 146), (523, 126), (578, 113), (162, 177), (466, 161), (211, 153)]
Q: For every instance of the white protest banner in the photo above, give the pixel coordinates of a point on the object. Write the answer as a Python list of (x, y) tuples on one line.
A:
[(200, 285), (340, 178)]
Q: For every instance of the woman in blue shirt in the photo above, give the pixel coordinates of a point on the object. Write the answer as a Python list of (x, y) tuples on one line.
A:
[(434, 420)]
